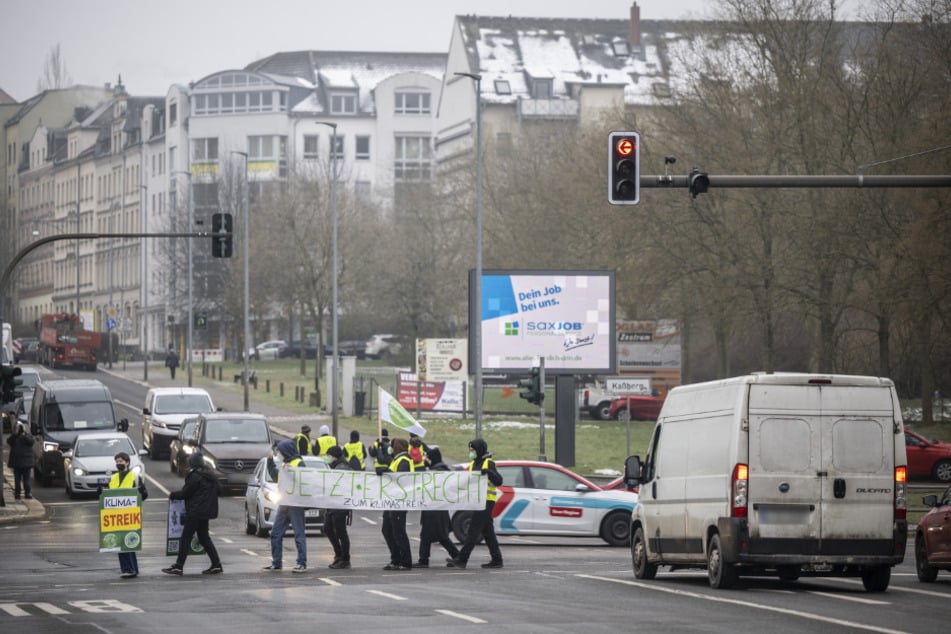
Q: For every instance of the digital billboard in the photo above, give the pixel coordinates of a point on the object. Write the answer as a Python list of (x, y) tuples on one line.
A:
[(565, 316)]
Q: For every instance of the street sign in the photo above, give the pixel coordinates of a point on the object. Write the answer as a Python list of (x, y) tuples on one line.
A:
[(110, 324)]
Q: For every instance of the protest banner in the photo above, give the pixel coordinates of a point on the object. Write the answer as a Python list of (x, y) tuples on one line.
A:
[(120, 521), (397, 491), (176, 512)]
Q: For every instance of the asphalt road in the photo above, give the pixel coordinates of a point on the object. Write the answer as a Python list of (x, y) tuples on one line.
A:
[(52, 577)]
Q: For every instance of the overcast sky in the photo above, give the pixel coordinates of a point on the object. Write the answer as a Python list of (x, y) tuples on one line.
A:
[(156, 43)]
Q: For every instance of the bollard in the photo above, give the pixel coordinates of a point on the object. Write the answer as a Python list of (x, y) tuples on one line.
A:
[(282, 389), (267, 385), (220, 372)]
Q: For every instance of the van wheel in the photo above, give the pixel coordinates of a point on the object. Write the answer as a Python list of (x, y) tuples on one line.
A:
[(602, 411), (942, 471), (926, 573), (643, 569), (722, 575), (460, 525), (616, 529), (876, 579)]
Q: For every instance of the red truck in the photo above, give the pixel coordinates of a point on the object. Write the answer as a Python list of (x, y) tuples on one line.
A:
[(64, 342)]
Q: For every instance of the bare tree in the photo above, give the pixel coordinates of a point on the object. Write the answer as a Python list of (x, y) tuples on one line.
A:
[(55, 74)]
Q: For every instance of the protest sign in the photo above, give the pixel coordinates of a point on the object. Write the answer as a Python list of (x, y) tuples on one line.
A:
[(176, 514), (120, 521)]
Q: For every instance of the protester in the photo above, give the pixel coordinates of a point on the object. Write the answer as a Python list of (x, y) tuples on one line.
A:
[(285, 456), (380, 451), (304, 445), (434, 524), (355, 453), (417, 451), (337, 520), (394, 522), (124, 478), (324, 442), (200, 493), (21, 460), (481, 525)]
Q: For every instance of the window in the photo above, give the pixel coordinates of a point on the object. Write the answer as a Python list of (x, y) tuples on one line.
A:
[(412, 103), (620, 48), (343, 103), (269, 148), (503, 87), (205, 150), (541, 89), (363, 148), (310, 146), (172, 113), (413, 158), (337, 152)]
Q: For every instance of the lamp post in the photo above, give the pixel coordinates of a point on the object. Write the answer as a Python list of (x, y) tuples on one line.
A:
[(477, 335), (334, 389), (112, 252), (145, 285), (247, 321), (188, 345)]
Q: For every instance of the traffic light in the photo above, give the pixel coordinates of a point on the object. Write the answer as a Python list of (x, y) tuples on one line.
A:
[(201, 320), (698, 182), (222, 226), (9, 374), (534, 387), (624, 168)]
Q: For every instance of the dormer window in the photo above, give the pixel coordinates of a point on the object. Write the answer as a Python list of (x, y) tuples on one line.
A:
[(541, 88), (503, 87), (343, 103), (620, 48)]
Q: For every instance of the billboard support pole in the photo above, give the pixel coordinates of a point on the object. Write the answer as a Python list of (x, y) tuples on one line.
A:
[(541, 411)]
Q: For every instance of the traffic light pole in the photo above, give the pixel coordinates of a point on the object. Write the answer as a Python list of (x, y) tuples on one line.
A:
[(541, 410)]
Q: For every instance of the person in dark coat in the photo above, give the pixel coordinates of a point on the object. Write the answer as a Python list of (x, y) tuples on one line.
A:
[(481, 526), (394, 522), (201, 505), (335, 526), (434, 524), (21, 460), (171, 361)]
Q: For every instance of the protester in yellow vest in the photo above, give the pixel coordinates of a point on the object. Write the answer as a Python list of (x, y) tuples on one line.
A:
[(124, 478), (394, 522), (324, 442), (304, 446), (354, 453), (482, 525)]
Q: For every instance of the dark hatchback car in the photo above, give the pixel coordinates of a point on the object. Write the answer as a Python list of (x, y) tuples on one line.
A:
[(933, 538), (293, 350)]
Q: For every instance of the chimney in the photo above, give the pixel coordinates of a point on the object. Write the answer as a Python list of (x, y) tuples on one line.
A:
[(635, 26)]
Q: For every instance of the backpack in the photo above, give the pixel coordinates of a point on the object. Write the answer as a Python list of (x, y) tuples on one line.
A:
[(354, 463), (416, 455)]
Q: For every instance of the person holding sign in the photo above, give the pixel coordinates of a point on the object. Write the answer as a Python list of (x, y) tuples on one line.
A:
[(123, 478), (201, 505), (286, 456), (335, 526), (481, 525), (434, 524), (394, 522)]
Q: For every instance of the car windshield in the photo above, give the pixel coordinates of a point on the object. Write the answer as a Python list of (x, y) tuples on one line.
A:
[(188, 428), (95, 447), (75, 416), (237, 430), (182, 404)]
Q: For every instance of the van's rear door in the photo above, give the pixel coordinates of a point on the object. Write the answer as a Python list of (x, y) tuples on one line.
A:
[(821, 466)]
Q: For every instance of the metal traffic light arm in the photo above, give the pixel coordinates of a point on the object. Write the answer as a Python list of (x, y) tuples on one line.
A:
[(792, 181), (22, 253)]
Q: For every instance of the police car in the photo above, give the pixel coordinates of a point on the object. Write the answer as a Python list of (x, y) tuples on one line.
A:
[(543, 498)]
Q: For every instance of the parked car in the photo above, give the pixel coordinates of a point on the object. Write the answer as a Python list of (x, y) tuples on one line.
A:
[(347, 349), (268, 349), (262, 498), (165, 409), (927, 459), (182, 446), (293, 351), (635, 407), (91, 462), (232, 444), (543, 498), (380, 346), (933, 538), (29, 347), (18, 411)]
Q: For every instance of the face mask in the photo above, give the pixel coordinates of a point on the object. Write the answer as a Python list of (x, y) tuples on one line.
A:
[(389, 451), (121, 467), (472, 455)]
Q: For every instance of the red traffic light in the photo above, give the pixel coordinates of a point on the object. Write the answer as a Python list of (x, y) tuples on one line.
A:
[(624, 168), (625, 147)]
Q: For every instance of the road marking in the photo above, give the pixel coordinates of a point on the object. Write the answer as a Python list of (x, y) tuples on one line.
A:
[(328, 581), (226, 540), (893, 587), (368, 520), (249, 552), (845, 597), (464, 617), (747, 604), (387, 595), (14, 609)]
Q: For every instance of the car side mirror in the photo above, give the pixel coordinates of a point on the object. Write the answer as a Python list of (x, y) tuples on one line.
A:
[(632, 471), (143, 452), (930, 500), (123, 425), (582, 488), (68, 453)]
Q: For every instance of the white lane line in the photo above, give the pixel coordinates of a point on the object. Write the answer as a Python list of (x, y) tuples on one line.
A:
[(368, 520), (464, 617), (893, 587), (387, 595), (249, 552), (846, 597), (748, 604), (226, 540), (328, 581)]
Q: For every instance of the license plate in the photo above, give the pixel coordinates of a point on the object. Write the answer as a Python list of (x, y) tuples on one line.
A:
[(102, 481), (312, 513)]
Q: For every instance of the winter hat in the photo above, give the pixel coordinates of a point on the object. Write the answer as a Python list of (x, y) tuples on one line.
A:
[(335, 451), (196, 460), (386, 433), (324, 430), (287, 448), (354, 436), (305, 429)]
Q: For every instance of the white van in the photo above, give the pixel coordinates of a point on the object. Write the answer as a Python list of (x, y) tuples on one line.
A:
[(774, 474)]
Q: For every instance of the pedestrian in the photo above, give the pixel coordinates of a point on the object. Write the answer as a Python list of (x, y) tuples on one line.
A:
[(394, 522), (335, 525), (304, 446), (481, 525), (355, 453), (324, 442), (171, 361), (434, 524), (124, 478), (21, 460), (200, 493), (380, 450), (286, 456), (417, 451)]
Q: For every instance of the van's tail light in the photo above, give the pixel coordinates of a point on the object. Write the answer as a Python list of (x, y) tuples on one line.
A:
[(740, 489), (901, 498), (586, 395)]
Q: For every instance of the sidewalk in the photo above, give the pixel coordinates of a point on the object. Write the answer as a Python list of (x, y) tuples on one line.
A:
[(283, 422)]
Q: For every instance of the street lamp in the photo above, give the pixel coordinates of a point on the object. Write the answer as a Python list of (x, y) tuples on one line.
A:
[(145, 284), (334, 389), (247, 321), (189, 213), (477, 342)]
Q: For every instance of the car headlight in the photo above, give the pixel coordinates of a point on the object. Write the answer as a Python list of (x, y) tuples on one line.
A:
[(49, 445), (138, 469), (272, 496), (79, 472)]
